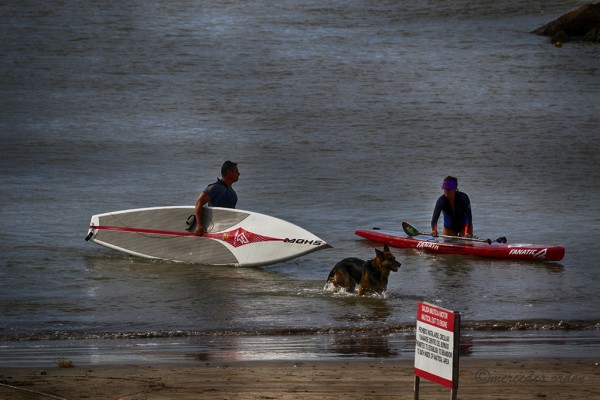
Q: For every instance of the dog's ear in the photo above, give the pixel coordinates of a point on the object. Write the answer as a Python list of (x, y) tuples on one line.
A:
[(378, 253), (386, 249)]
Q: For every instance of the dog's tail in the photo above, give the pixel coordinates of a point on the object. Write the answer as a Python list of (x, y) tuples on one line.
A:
[(331, 274)]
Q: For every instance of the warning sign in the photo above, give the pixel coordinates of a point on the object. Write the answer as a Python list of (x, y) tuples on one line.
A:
[(437, 340)]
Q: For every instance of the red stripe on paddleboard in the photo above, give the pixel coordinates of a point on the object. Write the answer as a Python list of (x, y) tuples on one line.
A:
[(237, 237), (140, 230)]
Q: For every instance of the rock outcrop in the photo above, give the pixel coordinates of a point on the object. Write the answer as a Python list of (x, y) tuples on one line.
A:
[(580, 24)]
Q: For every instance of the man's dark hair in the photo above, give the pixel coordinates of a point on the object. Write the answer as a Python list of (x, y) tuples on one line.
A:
[(227, 167)]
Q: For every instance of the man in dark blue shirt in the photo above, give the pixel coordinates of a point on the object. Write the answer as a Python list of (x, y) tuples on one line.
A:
[(456, 207), (218, 194)]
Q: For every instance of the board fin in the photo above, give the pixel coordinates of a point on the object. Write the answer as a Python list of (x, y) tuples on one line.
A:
[(191, 223)]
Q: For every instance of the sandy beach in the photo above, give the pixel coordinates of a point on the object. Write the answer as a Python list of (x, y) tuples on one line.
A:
[(544, 378)]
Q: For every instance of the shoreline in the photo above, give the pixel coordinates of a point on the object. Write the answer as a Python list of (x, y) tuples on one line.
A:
[(325, 347), (481, 378), (467, 326)]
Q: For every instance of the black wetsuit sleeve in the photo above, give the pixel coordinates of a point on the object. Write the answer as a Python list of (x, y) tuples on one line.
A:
[(439, 205)]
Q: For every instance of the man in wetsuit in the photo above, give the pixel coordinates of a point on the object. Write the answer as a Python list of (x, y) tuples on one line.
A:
[(456, 207), (218, 194)]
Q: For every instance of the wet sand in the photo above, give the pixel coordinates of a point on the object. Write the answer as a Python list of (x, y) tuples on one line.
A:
[(543, 378)]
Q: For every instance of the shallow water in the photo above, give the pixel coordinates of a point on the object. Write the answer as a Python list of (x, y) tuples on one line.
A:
[(342, 116)]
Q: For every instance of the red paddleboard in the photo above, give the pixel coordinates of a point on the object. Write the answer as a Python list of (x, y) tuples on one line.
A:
[(520, 251)]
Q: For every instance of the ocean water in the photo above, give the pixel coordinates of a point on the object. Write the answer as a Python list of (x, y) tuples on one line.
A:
[(342, 116)]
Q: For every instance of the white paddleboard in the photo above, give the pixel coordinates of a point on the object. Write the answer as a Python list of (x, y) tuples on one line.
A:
[(234, 237)]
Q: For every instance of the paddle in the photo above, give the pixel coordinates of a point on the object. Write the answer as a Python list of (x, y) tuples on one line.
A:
[(412, 231)]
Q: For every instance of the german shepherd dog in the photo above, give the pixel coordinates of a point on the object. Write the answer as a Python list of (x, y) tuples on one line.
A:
[(370, 276)]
